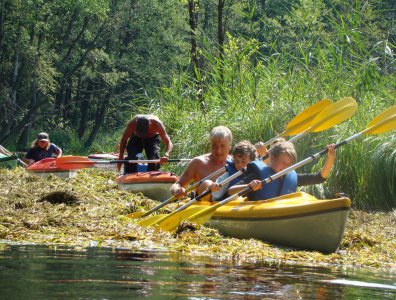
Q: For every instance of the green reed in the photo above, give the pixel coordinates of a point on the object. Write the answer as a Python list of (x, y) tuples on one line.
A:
[(282, 88), (257, 94)]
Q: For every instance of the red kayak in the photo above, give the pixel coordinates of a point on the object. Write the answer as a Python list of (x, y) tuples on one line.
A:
[(154, 184), (47, 167)]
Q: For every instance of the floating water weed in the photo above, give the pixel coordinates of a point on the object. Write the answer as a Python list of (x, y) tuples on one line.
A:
[(99, 220)]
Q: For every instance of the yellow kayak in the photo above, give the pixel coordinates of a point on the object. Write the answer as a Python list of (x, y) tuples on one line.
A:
[(298, 220)]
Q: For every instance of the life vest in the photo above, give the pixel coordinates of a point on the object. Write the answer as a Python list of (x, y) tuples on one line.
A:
[(231, 170), (277, 187)]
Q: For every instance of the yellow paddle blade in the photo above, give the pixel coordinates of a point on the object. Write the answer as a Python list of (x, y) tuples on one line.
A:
[(303, 120), (384, 122), (334, 114), (135, 215), (203, 216), (153, 220), (171, 223)]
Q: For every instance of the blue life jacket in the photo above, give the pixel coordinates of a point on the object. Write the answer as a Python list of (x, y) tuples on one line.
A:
[(276, 187), (231, 170)]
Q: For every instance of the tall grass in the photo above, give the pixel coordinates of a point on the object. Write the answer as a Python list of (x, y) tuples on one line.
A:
[(257, 100), (332, 56)]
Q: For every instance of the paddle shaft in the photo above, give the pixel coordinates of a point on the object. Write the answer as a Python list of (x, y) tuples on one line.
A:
[(296, 137), (240, 172), (300, 164), (9, 153), (134, 161), (324, 151), (275, 176), (192, 201), (382, 123), (173, 198), (225, 181)]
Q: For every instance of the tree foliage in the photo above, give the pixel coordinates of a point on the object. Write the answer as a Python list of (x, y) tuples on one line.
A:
[(74, 65)]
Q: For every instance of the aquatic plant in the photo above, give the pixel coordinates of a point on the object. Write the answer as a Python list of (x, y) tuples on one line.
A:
[(96, 217)]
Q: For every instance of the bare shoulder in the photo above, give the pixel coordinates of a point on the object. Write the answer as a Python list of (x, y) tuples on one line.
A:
[(194, 169), (198, 162), (202, 159)]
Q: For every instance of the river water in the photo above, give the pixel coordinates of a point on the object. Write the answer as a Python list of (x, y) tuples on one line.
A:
[(55, 272)]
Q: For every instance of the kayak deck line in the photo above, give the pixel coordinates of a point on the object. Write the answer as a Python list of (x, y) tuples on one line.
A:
[(300, 215)]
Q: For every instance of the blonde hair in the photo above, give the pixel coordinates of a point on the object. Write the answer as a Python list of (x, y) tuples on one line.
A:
[(40, 136), (284, 147), (222, 132), (278, 140), (245, 148)]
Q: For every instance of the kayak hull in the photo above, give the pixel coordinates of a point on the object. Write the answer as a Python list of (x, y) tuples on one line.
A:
[(155, 185), (60, 174), (47, 167), (297, 220)]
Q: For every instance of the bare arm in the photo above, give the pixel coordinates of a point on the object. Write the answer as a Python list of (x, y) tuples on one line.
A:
[(331, 155), (254, 185), (261, 149), (124, 139), (177, 189), (165, 138), (59, 154), (236, 188)]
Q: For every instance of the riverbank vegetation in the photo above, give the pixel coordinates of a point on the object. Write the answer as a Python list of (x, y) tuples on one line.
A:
[(81, 69), (89, 210)]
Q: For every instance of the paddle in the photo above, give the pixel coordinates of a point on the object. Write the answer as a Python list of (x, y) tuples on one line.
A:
[(151, 221), (141, 214), (332, 115), (384, 122), (295, 126), (6, 152), (79, 162), (302, 121)]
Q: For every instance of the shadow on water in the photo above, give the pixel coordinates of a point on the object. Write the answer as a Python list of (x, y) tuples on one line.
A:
[(55, 272)]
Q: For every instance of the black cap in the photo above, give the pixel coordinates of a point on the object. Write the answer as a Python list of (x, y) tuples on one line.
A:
[(42, 136)]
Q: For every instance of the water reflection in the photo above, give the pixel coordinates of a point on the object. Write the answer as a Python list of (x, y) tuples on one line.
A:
[(43, 272)]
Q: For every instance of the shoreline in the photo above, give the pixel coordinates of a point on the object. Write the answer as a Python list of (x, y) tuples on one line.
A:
[(90, 210)]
